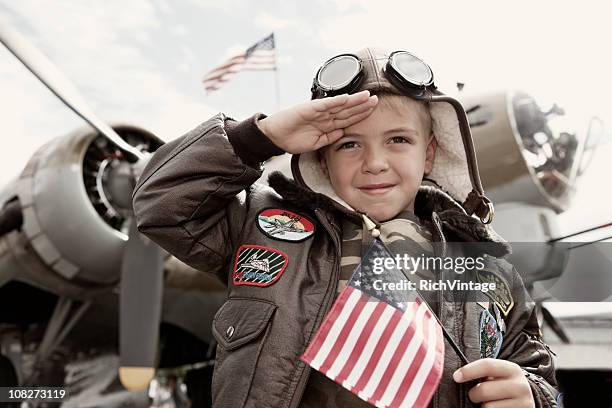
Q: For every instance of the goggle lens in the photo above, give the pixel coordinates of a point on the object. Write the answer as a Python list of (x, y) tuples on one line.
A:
[(412, 68), (338, 72)]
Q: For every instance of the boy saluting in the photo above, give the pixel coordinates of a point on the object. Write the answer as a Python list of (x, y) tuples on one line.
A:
[(378, 152)]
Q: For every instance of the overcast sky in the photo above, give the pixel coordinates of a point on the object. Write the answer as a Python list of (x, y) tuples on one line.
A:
[(141, 62)]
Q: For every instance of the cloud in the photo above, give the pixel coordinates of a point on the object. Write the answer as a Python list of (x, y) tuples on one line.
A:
[(31, 116), (518, 42), (285, 59), (179, 30), (227, 6), (270, 22), (105, 51)]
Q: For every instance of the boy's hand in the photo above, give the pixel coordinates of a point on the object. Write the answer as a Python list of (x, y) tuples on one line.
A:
[(317, 123), (503, 384)]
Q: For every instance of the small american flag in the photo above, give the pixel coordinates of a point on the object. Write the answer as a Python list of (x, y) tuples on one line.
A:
[(259, 57), (384, 346)]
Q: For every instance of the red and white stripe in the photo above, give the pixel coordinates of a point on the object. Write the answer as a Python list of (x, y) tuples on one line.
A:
[(259, 60), (385, 356)]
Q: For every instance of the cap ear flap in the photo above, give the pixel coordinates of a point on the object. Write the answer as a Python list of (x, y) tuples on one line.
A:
[(451, 170)]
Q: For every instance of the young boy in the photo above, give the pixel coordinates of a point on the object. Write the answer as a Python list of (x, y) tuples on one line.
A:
[(359, 163)]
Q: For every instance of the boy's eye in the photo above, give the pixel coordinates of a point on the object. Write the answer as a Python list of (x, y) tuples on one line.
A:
[(400, 139), (347, 145)]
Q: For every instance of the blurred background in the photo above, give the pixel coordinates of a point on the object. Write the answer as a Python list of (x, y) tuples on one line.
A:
[(533, 76)]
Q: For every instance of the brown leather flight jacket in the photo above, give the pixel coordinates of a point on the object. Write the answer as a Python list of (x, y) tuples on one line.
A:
[(198, 199)]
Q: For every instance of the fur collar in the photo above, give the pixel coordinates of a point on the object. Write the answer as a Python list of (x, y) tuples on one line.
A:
[(457, 225)]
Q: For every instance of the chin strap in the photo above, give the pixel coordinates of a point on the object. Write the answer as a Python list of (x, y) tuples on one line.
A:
[(479, 204)]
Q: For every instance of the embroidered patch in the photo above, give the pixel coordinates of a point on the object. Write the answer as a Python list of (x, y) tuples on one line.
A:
[(499, 319), (491, 336), (285, 225), (258, 265), (501, 295), (484, 305)]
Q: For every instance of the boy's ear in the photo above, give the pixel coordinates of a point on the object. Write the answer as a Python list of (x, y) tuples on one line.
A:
[(322, 161), (430, 153)]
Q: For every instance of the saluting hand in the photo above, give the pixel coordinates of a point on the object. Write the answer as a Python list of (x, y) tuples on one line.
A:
[(317, 123), (503, 385)]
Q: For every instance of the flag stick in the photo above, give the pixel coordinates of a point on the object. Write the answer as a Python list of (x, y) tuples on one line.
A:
[(446, 334)]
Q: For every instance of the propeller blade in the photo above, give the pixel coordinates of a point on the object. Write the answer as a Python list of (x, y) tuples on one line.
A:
[(140, 301), (57, 83)]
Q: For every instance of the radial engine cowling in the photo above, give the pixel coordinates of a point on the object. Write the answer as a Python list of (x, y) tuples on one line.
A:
[(526, 152), (75, 194)]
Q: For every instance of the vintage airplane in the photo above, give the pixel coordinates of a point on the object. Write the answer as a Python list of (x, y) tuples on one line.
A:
[(78, 283), (531, 158), (73, 269)]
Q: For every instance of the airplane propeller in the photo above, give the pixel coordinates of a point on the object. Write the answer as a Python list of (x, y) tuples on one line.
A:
[(142, 271), (57, 83), (142, 265)]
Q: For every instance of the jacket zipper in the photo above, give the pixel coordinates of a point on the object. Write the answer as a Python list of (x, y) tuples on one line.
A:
[(327, 302)]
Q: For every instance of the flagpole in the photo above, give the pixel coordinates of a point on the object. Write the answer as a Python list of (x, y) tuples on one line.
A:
[(277, 88), (276, 79)]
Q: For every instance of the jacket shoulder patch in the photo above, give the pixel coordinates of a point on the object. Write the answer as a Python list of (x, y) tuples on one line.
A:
[(491, 336), (258, 265), (501, 295), (285, 225)]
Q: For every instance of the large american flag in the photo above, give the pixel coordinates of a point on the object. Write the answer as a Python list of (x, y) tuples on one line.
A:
[(384, 346), (259, 57)]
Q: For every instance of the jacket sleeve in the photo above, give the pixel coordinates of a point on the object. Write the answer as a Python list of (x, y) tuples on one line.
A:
[(523, 342), (189, 198)]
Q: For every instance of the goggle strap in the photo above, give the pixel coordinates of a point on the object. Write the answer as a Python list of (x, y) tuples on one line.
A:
[(466, 136)]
